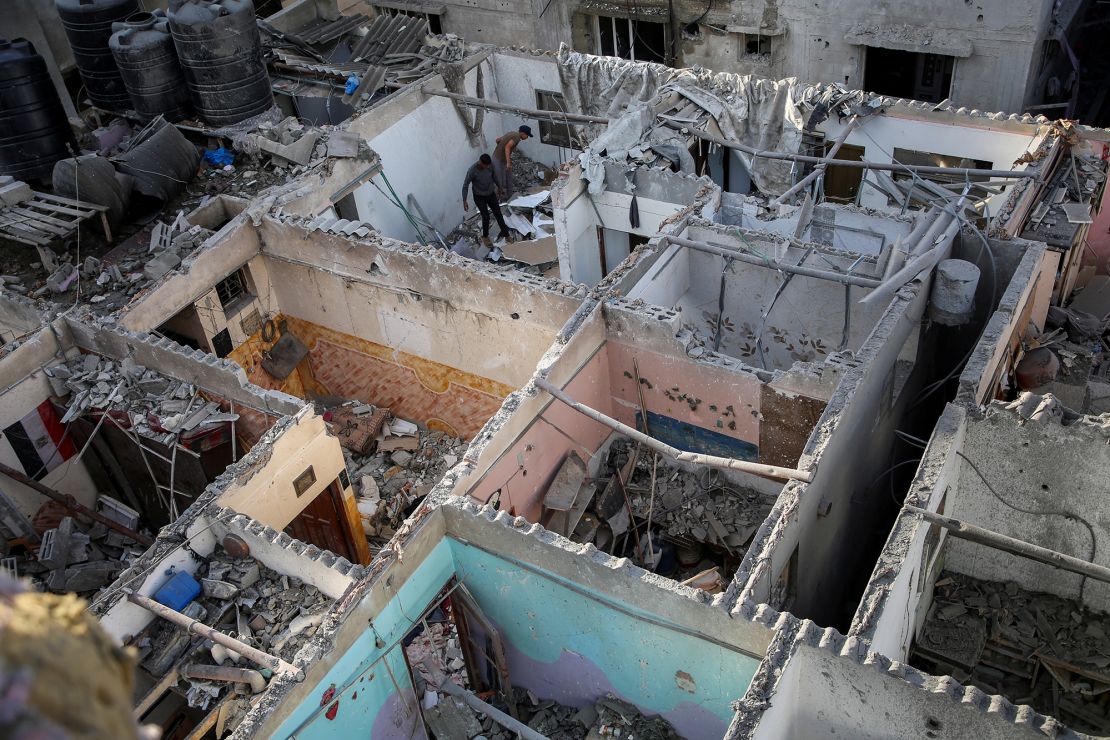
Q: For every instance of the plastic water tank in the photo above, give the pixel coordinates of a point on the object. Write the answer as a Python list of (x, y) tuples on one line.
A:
[(221, 55), (88, 25), (34, 132), (147, 60)]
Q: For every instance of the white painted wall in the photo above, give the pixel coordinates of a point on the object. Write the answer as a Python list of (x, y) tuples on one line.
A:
[(517, 78), (576, 230), (880, 134), (426, 153)]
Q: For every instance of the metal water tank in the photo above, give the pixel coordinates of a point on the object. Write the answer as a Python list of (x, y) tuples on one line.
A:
[(221, 55), (144, 52), (34, 132), (88, 25)]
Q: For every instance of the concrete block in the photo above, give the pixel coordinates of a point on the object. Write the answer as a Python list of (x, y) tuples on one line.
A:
[(15, 193), (161, 265)]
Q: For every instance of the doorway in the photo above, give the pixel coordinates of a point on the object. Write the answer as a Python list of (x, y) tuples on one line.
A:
[(908, 74), (842, 183), (324, 523)]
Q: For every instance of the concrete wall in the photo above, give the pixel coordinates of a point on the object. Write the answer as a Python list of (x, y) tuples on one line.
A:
[(518, 77), (627, 632), (816, 684), (818, 524), (1000, 143), (520, 449), (660, 197), (266, 494), (234, 245), (1043, 467), (19, 317), (898, 595), (424, 152), (794, 331), (996, 42)]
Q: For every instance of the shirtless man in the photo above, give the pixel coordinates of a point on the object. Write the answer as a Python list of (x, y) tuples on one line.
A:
[(503, 158)]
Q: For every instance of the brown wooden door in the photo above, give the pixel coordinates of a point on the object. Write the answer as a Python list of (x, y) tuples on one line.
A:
[(842, 183), (322, 523)]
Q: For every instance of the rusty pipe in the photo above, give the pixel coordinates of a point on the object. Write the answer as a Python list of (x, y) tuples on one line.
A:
[(230, 674), (274, 663), (71, 504), (769, 471)]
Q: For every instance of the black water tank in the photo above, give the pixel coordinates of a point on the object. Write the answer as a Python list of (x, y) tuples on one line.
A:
[(144, 52), (88, 24), (221, 55), (34, 132)]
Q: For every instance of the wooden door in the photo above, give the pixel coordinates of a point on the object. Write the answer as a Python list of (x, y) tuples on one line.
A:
[(322, 523), (842, 183)]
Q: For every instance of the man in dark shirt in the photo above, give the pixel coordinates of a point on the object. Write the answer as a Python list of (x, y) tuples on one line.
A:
[(480, 176)]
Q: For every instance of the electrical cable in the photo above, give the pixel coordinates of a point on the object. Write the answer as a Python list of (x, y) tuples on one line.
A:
[(1065, 514)]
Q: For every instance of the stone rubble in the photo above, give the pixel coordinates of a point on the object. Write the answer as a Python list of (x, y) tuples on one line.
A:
[(77, 555), (608, 717), (1033, 648), (153, 405), (390, 482), (242, 597)]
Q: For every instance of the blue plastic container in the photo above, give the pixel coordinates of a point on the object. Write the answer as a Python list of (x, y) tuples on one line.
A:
[(177, 592)]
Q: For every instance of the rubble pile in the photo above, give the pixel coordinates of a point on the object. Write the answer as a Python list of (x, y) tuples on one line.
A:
[(239, 596), (697, 507), (1033, 648), (399, 473), (607, 717), (76, 555), (529, 216), (153, 405), (436, 655)]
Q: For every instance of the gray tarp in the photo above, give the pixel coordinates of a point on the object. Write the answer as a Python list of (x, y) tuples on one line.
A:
[(760, 113)]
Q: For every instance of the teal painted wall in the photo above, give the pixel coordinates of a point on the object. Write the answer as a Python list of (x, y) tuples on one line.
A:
[(561, 644), (370, 706), (566, 646)]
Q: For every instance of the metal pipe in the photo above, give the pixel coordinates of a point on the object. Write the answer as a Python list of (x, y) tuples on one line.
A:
[(773, 264), (526, 112), (770, 471), (227, 673), (71, 504), (765, 154), (521, 729), (274, 663), (819, 170), (972, 533)]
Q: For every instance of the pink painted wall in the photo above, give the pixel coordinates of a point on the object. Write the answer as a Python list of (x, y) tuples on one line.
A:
[(527, 469), (1098, 238), (717, 388)]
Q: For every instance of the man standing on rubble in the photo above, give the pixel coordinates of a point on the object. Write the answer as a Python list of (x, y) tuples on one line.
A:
[(503, 158), (480, 176)]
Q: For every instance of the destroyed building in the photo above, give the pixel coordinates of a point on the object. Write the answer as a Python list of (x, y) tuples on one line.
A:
[(779, 407)]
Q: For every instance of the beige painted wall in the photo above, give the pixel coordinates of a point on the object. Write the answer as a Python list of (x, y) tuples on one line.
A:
[(266, 493)]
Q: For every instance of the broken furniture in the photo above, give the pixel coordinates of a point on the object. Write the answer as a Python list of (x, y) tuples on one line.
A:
[(46, 218)]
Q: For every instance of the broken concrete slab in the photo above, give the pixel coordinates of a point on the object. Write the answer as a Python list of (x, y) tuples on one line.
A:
[(161, 265)]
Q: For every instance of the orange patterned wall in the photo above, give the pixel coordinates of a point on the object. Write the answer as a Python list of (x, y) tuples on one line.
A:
[(414, 388)]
